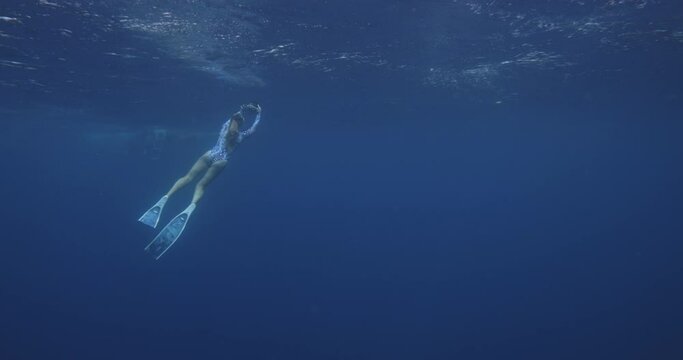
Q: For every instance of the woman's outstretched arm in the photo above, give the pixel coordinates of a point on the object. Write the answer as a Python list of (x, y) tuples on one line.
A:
[(246, 133)]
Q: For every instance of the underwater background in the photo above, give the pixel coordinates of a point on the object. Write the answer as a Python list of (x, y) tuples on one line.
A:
[(431, 179)]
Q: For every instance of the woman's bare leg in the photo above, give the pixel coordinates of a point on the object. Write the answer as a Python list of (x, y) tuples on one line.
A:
[(211, 174), (200, 165)]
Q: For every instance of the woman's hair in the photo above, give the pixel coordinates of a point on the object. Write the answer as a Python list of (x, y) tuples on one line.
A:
[(238, 117)]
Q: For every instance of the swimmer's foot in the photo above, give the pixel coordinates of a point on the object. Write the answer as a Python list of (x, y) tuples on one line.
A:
[(170, 233), (151, 217)]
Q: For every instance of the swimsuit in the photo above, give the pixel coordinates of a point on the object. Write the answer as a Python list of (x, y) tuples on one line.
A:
[(220, 150)]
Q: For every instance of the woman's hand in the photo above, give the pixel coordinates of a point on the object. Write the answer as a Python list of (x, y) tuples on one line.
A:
[(255, 107)]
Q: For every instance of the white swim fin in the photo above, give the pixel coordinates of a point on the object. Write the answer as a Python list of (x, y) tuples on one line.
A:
[(170, 233), (151, 217)]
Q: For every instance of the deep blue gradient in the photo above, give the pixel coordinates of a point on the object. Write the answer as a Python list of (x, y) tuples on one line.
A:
[(392, 206)]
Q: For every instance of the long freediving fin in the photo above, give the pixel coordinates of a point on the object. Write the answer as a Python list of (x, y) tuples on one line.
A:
[(170, 233), (151, 216)]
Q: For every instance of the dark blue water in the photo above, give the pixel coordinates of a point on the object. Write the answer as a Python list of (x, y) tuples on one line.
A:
[(430, 180)]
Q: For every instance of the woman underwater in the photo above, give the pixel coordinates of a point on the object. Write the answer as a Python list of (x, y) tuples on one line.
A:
[(212, 162)]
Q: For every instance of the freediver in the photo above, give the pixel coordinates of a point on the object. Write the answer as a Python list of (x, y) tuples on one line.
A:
[(212, 163)]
